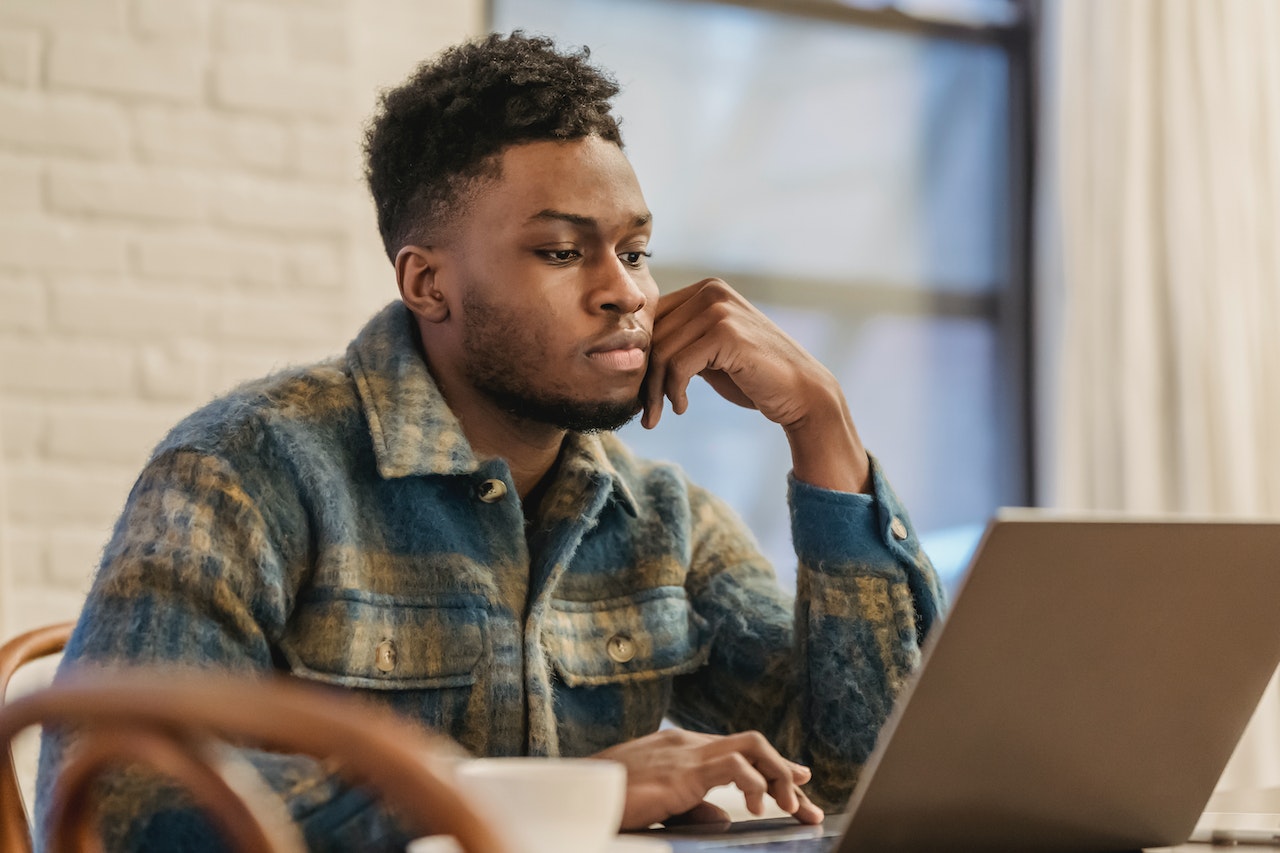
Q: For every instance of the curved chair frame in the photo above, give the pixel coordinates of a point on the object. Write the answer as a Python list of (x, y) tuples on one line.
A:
[(15, 831), (175, 723)]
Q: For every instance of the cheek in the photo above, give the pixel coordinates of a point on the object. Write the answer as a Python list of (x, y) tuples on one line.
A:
[(526, 335)]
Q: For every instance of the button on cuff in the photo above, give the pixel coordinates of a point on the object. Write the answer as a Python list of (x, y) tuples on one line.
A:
[(491, 490)]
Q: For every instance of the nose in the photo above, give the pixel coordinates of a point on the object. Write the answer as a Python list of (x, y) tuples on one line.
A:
[(621, 290)]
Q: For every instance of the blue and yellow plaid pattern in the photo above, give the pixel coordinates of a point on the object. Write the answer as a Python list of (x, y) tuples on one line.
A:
[(328, 521)]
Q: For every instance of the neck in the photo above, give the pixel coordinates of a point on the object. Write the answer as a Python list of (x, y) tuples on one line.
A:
[(530, 449)]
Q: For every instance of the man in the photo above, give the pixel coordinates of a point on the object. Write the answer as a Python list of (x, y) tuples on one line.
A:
[(442, 521)]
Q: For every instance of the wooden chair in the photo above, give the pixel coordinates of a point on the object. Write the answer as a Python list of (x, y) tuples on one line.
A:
[(15, 832), (180, 724)]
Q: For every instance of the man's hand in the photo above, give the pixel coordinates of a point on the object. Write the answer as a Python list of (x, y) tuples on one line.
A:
[(709, 330), (669, 772)]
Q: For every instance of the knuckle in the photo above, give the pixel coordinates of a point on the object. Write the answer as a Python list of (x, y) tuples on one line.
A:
[(753, 741), (716, 288), (717, 291), (718, 312), (681, 367), (673, 737)]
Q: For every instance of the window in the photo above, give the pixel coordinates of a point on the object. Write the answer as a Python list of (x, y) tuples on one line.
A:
[(858, 179)]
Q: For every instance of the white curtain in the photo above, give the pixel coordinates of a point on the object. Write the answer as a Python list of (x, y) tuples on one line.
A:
[(6, 566), (1165, 147)]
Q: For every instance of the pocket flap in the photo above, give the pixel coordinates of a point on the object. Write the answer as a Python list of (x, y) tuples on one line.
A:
[(653, 634), (359, 639)]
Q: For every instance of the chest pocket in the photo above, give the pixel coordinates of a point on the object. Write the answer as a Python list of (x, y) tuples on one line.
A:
[(360, 639), (651, 635)]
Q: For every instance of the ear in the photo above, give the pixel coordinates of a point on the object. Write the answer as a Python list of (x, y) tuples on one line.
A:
[(416, 269)]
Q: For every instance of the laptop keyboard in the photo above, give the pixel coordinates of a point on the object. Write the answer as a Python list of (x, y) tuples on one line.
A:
[(767, 835), (790, 845)]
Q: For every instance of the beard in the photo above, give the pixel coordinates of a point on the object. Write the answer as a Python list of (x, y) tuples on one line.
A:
[(505, 361)]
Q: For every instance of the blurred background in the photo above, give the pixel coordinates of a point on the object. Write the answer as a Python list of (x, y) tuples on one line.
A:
[(1036, 241)]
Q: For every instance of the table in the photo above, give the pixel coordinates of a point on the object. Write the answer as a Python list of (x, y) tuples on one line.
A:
[(1255, 800), (1263, 800)]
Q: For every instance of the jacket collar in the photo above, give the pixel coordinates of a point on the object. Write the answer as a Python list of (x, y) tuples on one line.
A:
[(414, 431)]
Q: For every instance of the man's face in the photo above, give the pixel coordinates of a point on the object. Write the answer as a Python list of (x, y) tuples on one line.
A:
[(556, 297)]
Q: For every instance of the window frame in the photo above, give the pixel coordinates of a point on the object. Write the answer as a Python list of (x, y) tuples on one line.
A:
[(1009, 306)]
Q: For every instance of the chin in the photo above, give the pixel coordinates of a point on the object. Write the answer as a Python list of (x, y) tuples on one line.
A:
[(592, 416)]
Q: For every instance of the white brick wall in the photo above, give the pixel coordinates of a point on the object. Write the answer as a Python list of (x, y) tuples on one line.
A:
[(43, 123), (180, 210)]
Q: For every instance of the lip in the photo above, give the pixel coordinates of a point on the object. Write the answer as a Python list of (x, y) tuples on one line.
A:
[(624, 339), (625, 350)]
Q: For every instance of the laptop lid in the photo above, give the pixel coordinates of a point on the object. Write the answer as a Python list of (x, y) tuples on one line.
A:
[(1086, 691)]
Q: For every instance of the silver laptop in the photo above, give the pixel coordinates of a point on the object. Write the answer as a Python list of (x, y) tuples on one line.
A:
[(1241, 817), (1084, 694)]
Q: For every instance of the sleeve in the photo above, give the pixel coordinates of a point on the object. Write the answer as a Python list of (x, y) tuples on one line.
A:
[(201, 571), (817, 675)]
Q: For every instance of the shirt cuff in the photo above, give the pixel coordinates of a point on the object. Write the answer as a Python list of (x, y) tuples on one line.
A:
[(834, 531)]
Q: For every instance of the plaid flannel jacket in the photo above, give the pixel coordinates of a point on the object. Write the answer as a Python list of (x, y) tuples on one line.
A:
[(334, 522)]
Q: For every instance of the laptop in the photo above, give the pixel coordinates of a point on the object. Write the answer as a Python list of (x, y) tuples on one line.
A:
[(1241, 817), (1084, 694)]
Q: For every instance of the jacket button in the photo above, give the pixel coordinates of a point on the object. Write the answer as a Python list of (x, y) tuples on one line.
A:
[(491, 491), (621, 648), (384, 657), (898, 529)]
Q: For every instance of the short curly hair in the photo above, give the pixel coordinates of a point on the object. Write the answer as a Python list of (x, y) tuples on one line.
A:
[(433, 135)]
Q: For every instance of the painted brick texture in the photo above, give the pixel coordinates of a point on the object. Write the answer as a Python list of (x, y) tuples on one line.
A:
[(180, 210)]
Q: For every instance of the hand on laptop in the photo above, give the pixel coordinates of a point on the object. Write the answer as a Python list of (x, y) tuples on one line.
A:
[(670, 772)]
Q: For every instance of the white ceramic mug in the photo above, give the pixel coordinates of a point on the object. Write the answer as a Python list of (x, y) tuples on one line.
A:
[(548, 805)]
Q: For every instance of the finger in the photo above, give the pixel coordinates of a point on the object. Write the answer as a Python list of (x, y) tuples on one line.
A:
[(675, 387), (735, 769), (703, 344), (727, 387), (785, 793), (778, 772), (789, 797), (651, 397), (808, 812), (702, 356), (671, 301), (756, 747), (686, 322), (671, 336), (715, 339)]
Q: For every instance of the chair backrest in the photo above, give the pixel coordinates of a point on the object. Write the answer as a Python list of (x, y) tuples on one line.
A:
[(179, 724), (15, 831)]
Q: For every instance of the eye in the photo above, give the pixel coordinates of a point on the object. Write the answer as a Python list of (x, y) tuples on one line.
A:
[(635, 259), (560, 256)]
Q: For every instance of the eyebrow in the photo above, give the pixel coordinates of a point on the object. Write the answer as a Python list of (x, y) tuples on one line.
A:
[(581, 221)]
